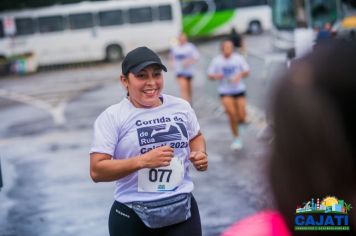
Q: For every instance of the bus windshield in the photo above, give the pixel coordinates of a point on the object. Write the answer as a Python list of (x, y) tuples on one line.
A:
[(283, 14), (196, 7), (317, 11), (323, 11)]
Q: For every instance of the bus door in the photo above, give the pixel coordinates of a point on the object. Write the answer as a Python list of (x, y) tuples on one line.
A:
[(14, 35)]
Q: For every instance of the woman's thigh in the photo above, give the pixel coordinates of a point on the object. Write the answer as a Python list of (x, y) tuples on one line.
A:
[(240, 104), (229, 105), (123, 221), (184, 83)]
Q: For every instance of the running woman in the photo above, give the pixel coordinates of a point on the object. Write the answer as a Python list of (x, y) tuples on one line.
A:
[(145, 144), (229, 68), (183, 56)]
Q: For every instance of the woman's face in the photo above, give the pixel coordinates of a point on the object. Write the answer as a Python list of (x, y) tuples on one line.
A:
[(145, 87), (182, 39), (227, 48)]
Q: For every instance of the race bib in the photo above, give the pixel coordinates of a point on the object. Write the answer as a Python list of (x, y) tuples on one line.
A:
[(160, 179)]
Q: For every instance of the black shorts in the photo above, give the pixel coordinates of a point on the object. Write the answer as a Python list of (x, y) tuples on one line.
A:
[(187, 77), (123, 221), (233, 95)]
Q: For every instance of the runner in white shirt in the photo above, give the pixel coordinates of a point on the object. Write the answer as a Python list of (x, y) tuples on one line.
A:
[(145, 143), (183, 56), (229, 69)]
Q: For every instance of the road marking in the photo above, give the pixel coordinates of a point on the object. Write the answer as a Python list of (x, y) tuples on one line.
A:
[(52, 99)]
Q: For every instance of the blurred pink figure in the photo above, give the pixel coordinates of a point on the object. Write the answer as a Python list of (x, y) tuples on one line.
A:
[(264, 223)]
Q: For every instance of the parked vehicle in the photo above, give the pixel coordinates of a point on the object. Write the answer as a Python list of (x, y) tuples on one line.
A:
[(88, 31)]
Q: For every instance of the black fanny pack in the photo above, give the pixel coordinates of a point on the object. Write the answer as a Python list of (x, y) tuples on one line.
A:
[(164, 212)]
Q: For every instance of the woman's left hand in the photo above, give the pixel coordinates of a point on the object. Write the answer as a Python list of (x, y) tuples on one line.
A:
[(237, 79), (199, 160)]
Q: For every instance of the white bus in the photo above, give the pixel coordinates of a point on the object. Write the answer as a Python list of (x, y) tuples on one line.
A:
[(89, 31), (218, 17)]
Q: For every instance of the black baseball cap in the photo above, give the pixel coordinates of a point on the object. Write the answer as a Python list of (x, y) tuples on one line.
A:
[(138, 59)]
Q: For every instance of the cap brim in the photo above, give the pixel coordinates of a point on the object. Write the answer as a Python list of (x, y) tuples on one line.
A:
[(138, 68)]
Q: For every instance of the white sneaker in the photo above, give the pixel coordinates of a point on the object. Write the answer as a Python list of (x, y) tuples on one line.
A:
[(236, 144)]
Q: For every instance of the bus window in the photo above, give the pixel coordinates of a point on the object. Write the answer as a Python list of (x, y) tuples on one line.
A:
[(165, 12), (250, 3), (24, 26), (108, 18), (140, 15), (81, 21), (225, 4), (49, 24), (283, 14), (228, 4), (1, 29), (323, 11), (191, 8)]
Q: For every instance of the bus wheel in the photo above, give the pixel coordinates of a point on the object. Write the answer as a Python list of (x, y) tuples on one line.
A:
[(255, 27), (113, 53)]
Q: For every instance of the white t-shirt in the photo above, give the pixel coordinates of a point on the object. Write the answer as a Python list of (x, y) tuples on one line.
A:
[(125, 131), (229, 67), (303, 41), (181, 53)]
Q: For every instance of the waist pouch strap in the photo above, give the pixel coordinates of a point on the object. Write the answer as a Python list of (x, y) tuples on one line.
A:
[(164, 212)]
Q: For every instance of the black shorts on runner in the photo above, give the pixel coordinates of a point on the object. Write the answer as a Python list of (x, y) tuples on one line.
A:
[(187, 77), (234, 95)]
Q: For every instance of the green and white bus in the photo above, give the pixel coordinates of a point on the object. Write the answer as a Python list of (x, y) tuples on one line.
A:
[(202, 18)]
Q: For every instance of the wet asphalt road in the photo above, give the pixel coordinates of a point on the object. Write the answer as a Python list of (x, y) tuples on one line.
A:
[(48, 191)]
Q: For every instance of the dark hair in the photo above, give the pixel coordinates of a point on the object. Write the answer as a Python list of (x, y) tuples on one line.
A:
[(127, 78), (223, 41), (235, 38), (313, 153)]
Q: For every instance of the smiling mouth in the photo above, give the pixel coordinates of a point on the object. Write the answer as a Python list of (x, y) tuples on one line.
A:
[(150, 91)]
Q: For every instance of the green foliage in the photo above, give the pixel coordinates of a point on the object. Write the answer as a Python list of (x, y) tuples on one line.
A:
[(347, 207)]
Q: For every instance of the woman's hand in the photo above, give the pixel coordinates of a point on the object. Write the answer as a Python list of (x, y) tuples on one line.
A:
[(216, 76), (157, 157), (199, 160), (237, 78)]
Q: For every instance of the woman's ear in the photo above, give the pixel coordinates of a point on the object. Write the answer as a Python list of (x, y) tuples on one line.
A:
[(124, 80)]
